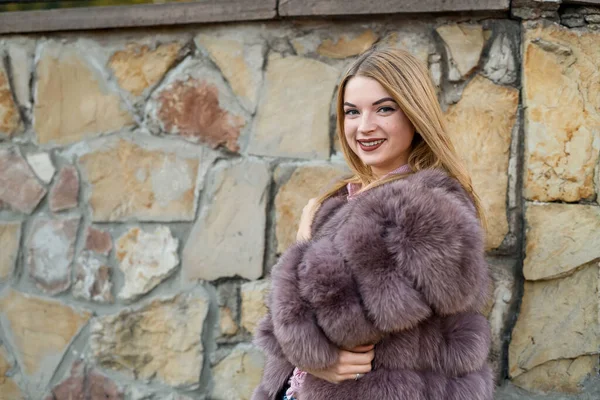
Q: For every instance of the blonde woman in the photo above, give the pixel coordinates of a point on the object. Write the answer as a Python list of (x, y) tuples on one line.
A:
[(380, 298)]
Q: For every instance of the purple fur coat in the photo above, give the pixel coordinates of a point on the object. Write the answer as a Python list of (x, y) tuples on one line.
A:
[(401, 266)]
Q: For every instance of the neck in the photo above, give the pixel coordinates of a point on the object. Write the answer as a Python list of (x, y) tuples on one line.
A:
[(382, 172)]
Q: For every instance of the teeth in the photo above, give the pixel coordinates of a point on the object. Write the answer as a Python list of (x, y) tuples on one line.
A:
[(373, 143)]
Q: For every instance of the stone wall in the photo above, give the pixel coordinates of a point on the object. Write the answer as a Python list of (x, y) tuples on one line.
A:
[(149, 179)]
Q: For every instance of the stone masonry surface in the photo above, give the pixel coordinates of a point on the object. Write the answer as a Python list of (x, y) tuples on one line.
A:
[(150, 179)]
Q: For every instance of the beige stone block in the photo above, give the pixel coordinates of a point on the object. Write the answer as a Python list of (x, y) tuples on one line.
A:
[(160, 341), (140, 393), (228, 238), (228, 299), (41, 330), (240, 63), (306, 45), (238, 374), (414, 37), (10, 119), (227, 324), (435, 69), (73, 102), (298, 87), (177, 396), (558, 319), (564, 376), (465, 44), (347, 46), (559, 239), (10, 236), (138, 67), (305, 183), (254, 297), (9, 390), (42, 165), (146, 259), (129, 181), (480, 127), (21, 51), (561, 148)]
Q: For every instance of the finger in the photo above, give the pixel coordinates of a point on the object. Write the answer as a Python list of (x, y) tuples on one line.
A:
[(349, 358), (328, 375), (344, 369), (362, 349), (353, 369), (347, 377)]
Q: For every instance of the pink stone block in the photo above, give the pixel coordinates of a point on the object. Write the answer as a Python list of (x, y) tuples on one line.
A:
[(65, 192), (19, 188), (98, 241), (85, 383)]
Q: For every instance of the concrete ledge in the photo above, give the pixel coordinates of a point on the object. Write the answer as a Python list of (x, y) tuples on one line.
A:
[(583, 2), (137, 15), (361, 7), (233, 10)]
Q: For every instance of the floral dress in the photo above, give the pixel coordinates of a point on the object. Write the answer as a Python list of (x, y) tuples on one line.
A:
[(295, 383)]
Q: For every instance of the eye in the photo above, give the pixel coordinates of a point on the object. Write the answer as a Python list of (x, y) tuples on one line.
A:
[(351, 111), (386, 109)]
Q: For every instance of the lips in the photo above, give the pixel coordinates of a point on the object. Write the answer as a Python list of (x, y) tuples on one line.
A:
[(370, 144)]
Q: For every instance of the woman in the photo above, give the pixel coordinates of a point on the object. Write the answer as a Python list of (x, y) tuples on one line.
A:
[(381, 296)]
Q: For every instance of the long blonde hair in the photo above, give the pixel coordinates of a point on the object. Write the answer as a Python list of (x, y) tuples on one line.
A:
[(407, 80)]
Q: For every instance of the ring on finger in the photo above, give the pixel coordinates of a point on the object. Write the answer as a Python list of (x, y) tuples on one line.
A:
[(358, 376)]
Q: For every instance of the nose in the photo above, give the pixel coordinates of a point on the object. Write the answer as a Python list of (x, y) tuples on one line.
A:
[(366, 124)]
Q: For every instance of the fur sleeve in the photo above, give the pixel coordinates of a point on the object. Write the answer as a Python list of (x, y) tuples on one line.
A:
[(264, 337), (430, 238), (326, 211), (389, 297), (327, 284), (294, 325)]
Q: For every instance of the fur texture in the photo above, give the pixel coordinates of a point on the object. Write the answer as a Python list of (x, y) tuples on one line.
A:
[(402, 266)]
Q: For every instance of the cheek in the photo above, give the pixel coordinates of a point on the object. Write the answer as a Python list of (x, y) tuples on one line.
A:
[(349, 128), (401, 130)]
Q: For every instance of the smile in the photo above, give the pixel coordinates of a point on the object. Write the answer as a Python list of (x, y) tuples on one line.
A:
[(370, 145)]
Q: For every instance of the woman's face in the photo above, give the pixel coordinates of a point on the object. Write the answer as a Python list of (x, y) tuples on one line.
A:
[(375, 127)]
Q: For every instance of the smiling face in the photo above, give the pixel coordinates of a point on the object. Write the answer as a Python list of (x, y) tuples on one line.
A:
[(375, 127)]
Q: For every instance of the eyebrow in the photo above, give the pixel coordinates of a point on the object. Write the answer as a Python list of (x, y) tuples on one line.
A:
[(384, 100), (376, 103)]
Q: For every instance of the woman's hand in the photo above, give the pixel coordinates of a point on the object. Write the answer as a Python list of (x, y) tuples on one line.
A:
[(308, 214), (349, 363)]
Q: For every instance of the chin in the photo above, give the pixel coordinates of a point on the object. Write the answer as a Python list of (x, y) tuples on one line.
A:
[(372, 161)]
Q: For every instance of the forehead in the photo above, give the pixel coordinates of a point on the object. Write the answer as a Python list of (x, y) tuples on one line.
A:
[(364, 89)]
